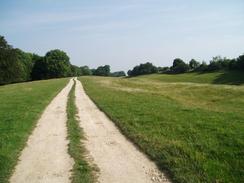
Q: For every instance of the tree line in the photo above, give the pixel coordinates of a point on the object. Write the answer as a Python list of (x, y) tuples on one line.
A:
[(19, 66), (179, 66)]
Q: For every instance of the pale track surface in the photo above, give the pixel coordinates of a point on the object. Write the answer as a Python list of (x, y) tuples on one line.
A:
[(118, 160), (45, 158)]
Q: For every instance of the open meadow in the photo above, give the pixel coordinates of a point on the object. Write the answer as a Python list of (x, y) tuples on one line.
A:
[(191, 128), (20, 107)]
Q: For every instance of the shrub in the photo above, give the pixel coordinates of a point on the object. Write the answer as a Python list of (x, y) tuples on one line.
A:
[(147, 68)]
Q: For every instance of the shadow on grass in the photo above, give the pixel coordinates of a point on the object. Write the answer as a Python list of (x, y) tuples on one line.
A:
[(231, 77)]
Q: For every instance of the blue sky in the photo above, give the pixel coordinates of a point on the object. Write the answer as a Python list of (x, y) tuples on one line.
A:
[(125, 33)]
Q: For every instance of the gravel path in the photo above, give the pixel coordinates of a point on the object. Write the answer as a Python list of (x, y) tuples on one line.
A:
[(45, 158), (117, 159)]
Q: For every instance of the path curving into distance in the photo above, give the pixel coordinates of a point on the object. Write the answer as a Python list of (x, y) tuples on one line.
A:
[(117, 159), (45, 158)]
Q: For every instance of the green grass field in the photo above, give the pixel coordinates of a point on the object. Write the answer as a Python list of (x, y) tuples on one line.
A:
[(20, 107), (82, 172), (192, 131), (230, 77)]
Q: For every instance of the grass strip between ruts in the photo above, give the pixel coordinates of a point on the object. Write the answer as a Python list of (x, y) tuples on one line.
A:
[(82, 171)]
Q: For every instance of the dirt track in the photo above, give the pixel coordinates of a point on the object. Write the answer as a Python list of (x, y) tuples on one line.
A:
[(45, 158), (117, 158)]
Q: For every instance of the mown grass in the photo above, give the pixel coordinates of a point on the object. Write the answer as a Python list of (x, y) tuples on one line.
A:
[(193, 131), (224, 77), (20, 107), (81, 172)]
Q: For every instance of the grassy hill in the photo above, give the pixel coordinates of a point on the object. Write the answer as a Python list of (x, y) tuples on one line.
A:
[(191, 128), (230, 77), (20, 107)]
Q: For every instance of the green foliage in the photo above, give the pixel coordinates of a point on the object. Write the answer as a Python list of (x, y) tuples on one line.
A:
[(193, 64), (4, 44), (147, 68), (193, 131), (12, 69), (85, 71), (21, 106), (40, 70), (75, 70), (218, 63), (202, 67), (102, 71), (240, 62), (27, 62), (55, 64), (179, 66), (163, 69), (118, 74), (19, 66), (58, 64)]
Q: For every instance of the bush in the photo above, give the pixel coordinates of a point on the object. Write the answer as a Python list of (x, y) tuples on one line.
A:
[(163, 69), (118, 74), (102, 71), (202, 67), (147, 68), (193, 64), (85, 71), (40, 69), (179, 66), (240, 62)]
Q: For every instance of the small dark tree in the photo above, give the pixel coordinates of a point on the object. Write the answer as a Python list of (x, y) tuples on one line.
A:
[(102, 71), (40, 69), (118, 74), (202, 67), (215, 64), (179, 66), (85, 71), (75, 70), (193, 64), (147, 68), (240, 62), (163, 69), (129, 72)]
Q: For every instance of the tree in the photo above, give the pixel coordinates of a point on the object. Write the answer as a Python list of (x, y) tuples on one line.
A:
[(75, 70), (58, 64), (85, 71), (54, 64), (4, 44), (202, 67), (163, 69), (129, 72), (193, 64), (40, 69), (27, 64), (102, 71), (215, 64), (240, 62), (93, 71), (179, 66), (118, 74), (11, 68), (146, 68)]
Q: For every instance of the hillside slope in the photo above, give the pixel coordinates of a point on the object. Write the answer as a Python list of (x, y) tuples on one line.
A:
[(191, 130), (227, 77)]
